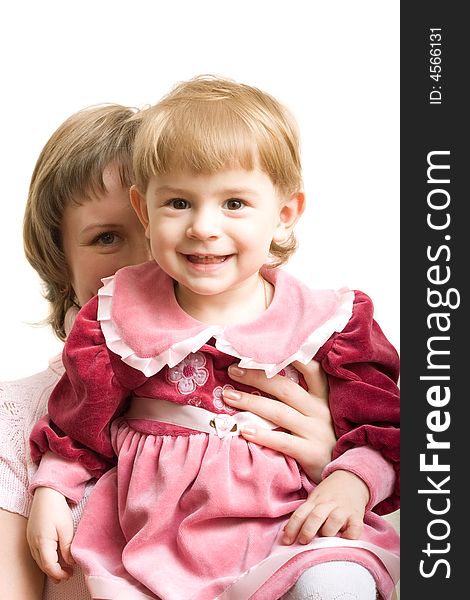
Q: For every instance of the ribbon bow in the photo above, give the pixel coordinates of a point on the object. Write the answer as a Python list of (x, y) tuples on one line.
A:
[(224, 425)]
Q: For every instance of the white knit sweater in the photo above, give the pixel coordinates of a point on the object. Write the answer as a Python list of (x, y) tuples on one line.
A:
[(22, 403)]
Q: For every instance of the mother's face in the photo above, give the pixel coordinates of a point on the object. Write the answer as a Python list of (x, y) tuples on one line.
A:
[(100, 236)]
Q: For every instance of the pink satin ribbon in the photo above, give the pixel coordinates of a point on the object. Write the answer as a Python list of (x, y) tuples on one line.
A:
[(194, 417)]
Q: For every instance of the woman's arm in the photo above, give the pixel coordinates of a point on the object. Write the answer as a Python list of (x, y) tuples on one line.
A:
[(306, 414), (21, 403), (20, 577), (361, 396), (303, 413)]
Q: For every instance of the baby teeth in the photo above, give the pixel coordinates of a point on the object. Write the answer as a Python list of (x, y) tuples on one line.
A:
[(206, 259)]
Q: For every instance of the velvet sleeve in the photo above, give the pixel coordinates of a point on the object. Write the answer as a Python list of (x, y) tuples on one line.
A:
[(84, 402), (363, 369)]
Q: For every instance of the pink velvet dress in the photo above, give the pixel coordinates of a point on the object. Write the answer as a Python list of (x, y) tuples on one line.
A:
[(179, 512)]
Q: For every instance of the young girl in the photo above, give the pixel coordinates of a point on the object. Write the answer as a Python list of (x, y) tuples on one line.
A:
[(79, 227), (193, 510)]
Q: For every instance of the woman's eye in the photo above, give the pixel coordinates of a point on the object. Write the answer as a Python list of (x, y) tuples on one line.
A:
[(108, 238), (179, 203), (234, 204)]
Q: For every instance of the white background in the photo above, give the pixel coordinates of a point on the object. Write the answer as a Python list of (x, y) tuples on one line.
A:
[(334, 64)]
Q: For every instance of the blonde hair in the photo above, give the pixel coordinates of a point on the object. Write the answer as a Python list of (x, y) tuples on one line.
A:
[(71, 166), (208, 124)]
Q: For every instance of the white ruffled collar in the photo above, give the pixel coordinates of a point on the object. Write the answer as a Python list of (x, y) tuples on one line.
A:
[(143, 323)]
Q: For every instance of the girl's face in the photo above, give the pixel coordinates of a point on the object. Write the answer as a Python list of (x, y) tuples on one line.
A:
[(100, 236), (212, 233)]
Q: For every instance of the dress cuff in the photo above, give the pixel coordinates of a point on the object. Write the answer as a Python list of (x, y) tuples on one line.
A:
[(368, 464), (61, 474)]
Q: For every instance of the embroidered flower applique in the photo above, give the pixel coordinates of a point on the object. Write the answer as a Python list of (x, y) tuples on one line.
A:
[(218, 399), (189, 373), (195, 401)]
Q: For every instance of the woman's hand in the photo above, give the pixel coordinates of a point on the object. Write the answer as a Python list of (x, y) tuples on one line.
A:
[(50, 533), (336, 505), (305, 414)]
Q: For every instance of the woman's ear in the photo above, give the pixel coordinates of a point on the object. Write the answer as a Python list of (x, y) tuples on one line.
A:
[(139, 204), (290, 213)]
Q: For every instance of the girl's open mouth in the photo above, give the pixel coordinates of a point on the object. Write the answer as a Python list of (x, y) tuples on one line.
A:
[(206, 259)]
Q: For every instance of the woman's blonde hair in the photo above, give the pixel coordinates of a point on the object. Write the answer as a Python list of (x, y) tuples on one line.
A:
[(208, 124), (70, 167)]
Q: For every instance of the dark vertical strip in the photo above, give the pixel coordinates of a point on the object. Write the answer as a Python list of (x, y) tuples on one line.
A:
[(435, 333)]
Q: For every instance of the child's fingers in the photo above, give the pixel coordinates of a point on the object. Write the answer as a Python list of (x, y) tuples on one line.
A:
[(65, 544), (334, 523), (296, 521), (48, 561), (305, 523), (67, 555), (315, 522), (354, 528)]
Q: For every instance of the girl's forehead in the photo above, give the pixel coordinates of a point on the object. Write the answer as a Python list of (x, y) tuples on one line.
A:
[(224, 180)]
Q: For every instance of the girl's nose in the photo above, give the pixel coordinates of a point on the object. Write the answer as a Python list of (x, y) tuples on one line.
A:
[(204, 225)]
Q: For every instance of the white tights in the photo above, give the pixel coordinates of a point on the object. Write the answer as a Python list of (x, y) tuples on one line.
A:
[(335, 580)]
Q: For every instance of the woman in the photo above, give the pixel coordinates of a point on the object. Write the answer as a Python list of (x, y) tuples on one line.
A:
[(79, 227)]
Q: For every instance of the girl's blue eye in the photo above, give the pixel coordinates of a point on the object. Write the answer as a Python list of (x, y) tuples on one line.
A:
[(179, 203), (234, 204)]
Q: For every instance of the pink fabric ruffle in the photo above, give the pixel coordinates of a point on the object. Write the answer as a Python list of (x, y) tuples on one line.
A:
[(143, 323)]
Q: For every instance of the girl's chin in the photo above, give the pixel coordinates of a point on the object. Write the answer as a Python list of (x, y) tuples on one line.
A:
[(203, 290)]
